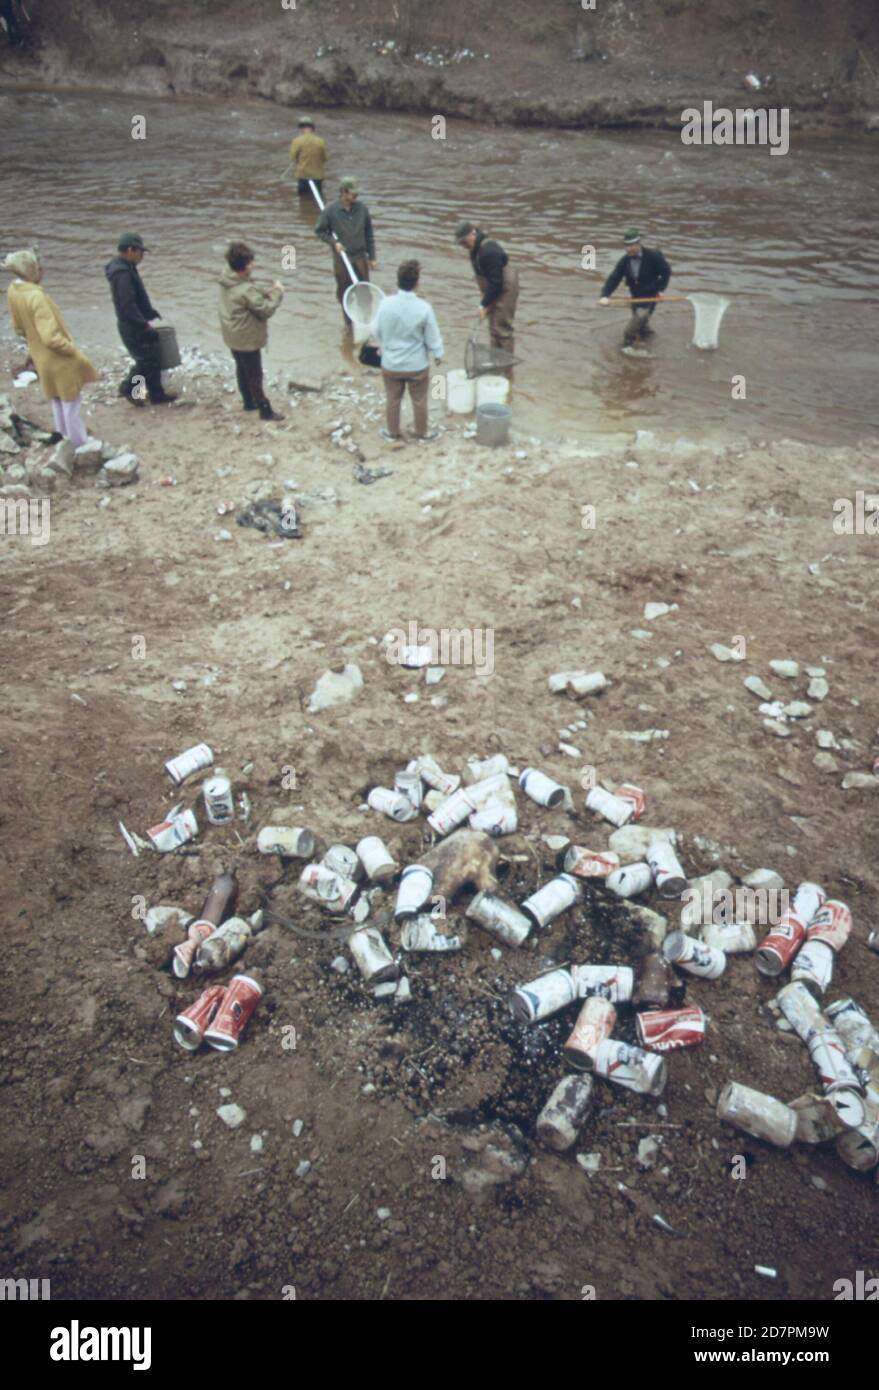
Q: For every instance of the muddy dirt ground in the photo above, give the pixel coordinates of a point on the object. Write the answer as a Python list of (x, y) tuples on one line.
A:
[(740, 539)]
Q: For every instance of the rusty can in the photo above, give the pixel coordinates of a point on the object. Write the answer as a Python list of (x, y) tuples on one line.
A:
[(757, 1114), (668, 1029), (541, 788), (831, 924), (543, 997), (564, 1114), (376, 859), (500, 918), (814, 966), (653, 983), (624, 1065), (611, 807), (391, 803), (668, 875), (193, 760), (590, 863), (781, 945), (629, 792), (370, 951), (612, 982), (237, 1006), (693, 956), (189, 1026), (595, 1022), (630, 880), (552, 899)]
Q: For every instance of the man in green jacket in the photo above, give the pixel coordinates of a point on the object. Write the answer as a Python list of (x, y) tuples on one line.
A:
[(244, 313), (346, 225)]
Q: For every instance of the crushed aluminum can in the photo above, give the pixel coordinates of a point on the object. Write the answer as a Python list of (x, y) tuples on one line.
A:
[(244, 808), (237, 1006), (495, 818), (327, 888), (452, 813), (751, 82), (175, 830), (223, 945), (778, 949), (873, 941), (850, 1021), (218, 803), (693, 956), (342, 860), (612, 982), (500, 918), (808, 898), (829, 1057), (189, 1026), (611, 807), (430, 772), (376, 859), (410, 785), (421, 935), (185, 951), (595, 1022), (822, 1118), (371, 954), (193, 760), (625, 1065), (757, 1114), (291, 842), (415, 657), (476, 770), (801, 1010), (668, 875), (414, 890), (814, 966), (731, 939), (577, 682), (490, 789), (831, 924), (390, 803), (666, 1030), (629, 792), (564, 1114), (653, 984), (630, 880), (543, 997), (552, 899), (540, 788), (859, 1147), (590, 863)]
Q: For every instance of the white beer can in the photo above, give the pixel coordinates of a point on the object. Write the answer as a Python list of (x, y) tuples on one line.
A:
[(553, 899), (859, 1148), (476, 770), (543, 997), (738, 936), (500, 918), (390, 803), (454, 811), (577, 682), (376, 859), (694, 956), (852, 1024), (813, 965), (667, 872), (821, 1118), (612, 982), (323, 886), (632, 1067), (344, 861), (615, 809), (410, 785), (290, 841), (630, 880), (414, 890), (179, 827), (430, 772), (801, 1011), (807, 900), (835, 1071), (193, 760), (218, 801), (757, 1114), (495, 818), (540, 788), (422, 935), (374, 960)]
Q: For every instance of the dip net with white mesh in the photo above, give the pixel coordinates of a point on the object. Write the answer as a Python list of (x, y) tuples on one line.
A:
[(709, 310)]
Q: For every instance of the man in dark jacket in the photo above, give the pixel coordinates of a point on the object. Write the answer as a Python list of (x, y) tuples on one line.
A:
[(135, 317), (647, 273), (345, 225), (498, 281)]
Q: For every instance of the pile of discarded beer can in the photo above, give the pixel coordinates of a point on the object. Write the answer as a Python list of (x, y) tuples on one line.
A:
[(467, 811)]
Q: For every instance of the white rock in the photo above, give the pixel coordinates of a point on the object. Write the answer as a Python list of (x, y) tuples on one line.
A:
[(232, 1115), (434, 674), (256, 1144), (569, 750), (786, 669), (298, 1127), (648, 1149), (818, 688), (223, 535), (496, 953), (334, 687), (303, 1168), (119, 471), (775, 727), (860, 781), (657, 610), (630, 841), (383, 1213), (642, 634), (158, 918), (403, 992), (798, 709), (825, 762), (764, 878), (826, 738), (89, 456), (590, 1163), (61, 458), (725, 653)]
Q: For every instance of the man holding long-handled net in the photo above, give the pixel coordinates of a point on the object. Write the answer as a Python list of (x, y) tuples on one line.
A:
[(346, 225), (647, 273)]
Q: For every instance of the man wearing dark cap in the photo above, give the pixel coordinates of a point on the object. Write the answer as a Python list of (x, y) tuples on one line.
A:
[(346, 225), (498, 281), (135, 319), (308, 155), (647, 274)]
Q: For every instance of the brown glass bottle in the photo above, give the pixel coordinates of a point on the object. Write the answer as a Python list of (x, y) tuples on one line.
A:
[(221, 899), (653, 983)]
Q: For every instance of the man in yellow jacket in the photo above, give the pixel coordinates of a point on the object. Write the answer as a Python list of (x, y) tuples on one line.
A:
[(308, 155), (63, 370)]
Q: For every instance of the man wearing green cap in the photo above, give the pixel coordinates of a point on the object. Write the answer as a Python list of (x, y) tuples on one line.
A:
[(308, 155), (346, 225), (647, 274), (135, 319), (496, 278)]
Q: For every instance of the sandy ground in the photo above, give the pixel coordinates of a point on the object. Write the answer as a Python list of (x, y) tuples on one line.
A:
[(739, 539)]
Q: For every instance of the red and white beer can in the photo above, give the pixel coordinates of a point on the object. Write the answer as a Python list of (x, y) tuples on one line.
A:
[(241, 998), (542, 997), (595, 1022), (832, 924), (835, 1071), (193, 760), (613, 982), (452, 813), (781, 945), (624, 1065), (590, 863), (189, 1027), (616, 809), (668, 1029), (552, 899), (175, 831), (629, 792), (667, 872)]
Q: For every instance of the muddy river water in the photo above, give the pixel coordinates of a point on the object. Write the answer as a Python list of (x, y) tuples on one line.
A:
[(790, 239)]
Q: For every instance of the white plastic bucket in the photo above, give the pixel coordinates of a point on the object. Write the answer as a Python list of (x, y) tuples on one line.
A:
[(492, 390), (461, 393)]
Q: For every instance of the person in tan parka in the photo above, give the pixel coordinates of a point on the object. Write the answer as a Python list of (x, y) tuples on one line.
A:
[(244, 313), (63, 370)]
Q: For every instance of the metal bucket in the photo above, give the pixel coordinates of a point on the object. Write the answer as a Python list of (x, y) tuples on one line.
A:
[(169, 352), (493, 424)]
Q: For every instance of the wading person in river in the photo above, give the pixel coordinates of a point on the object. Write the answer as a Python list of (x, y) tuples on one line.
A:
[(244, 313), (498, 281), (135, 319), (407, 329), (346, 225), (308, 155), (647, 273), (62, 369)]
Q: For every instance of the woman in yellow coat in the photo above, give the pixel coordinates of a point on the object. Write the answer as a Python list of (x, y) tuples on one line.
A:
[(63, 370)]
